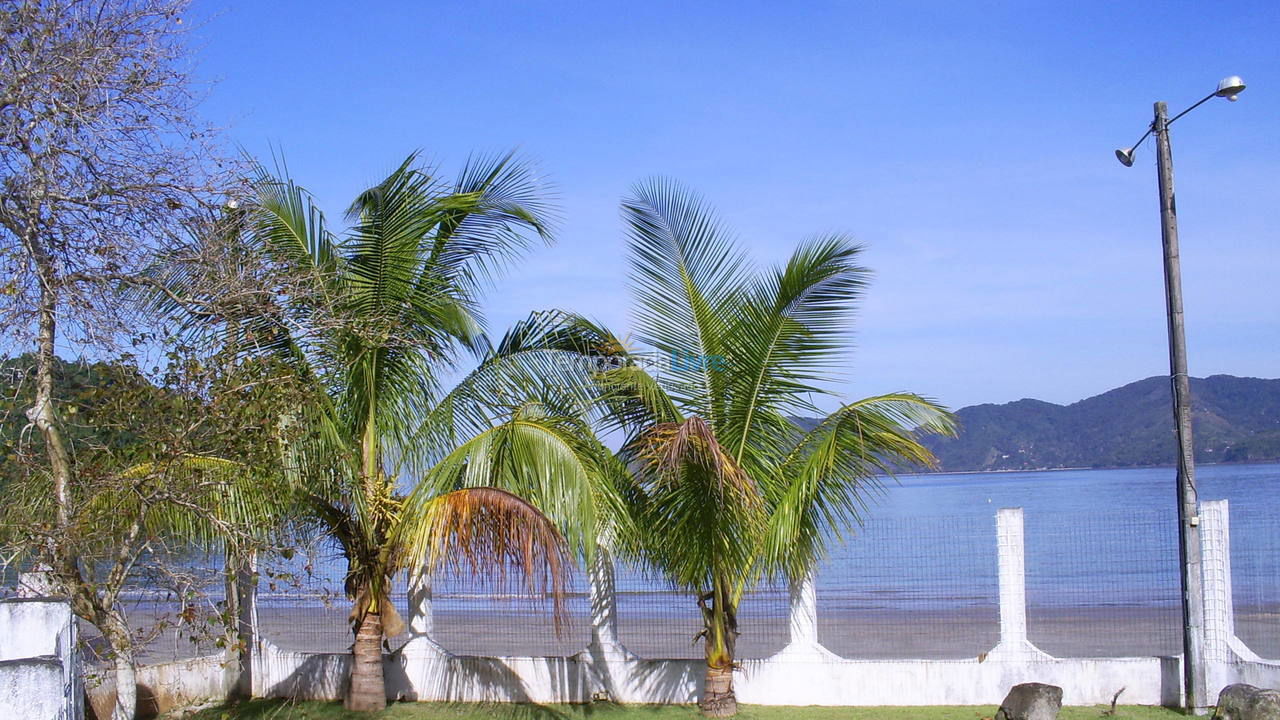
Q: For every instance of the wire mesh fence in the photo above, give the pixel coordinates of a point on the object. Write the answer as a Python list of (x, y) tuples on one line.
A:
[(302, 606), (165, 628), (656, 621), (1103, 584), (1255, 568), (912, 588), (469, 618), (1098, 585)]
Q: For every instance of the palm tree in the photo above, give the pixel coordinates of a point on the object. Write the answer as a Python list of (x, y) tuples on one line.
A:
[(402, 473), (732, 489)]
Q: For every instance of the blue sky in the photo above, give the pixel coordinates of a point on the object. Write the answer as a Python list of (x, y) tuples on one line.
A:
[(969, 145)]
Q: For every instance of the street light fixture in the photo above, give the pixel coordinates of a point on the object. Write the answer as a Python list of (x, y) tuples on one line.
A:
[(1193, 669), (1230, 88)]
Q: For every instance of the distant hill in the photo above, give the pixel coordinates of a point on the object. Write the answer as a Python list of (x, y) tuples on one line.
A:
[(1234, 419)]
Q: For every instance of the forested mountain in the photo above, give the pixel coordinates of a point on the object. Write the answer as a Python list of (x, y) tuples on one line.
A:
[(98, 403), (1235, 420)]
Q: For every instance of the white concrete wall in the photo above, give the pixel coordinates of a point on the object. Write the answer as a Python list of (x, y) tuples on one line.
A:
[(31, 627), (804, 672), (166, 686), (39, 666), (32, 688)]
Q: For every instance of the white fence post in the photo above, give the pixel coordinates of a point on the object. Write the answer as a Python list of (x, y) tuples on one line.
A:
[(421, 617), (1013, 575), (804, 612), (1219, 609), (604, 603)]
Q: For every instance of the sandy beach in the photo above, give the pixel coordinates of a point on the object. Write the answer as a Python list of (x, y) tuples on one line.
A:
[(521, 629), (871, 634)]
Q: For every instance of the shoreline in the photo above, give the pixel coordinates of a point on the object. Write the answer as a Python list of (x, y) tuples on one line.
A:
[(667, 633), (1169, 466)]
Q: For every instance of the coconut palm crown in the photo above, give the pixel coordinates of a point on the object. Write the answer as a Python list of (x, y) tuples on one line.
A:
[(401, 472), (732, 489)]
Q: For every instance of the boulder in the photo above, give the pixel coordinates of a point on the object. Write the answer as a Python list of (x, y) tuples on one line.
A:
[(1246, 702), (1031, 701)]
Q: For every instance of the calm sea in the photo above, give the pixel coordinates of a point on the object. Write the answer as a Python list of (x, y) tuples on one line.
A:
[(1093, 537), (917, 579)]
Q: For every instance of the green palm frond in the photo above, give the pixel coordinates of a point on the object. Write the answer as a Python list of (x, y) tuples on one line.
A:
[(789, 335), (547, 357), (821, 488), (198, 501), (552, 461), (508, 197), (286, 224), (686, 275)]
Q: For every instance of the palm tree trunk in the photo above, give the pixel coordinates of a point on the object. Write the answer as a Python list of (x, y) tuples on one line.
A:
[(368, 691), (718, 699)]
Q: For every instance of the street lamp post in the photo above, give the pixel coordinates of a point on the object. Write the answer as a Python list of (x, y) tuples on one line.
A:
[(1193, 667)]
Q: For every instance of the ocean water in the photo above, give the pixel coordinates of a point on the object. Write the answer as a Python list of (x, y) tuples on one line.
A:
[(928, 541), (917, 579), (1093, 537)]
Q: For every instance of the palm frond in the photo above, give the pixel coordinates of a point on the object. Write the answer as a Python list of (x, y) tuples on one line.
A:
[(686, 275), (200, 501), (548, 357), (822, 487), (509, 199), (788, 335), (704, 513), (554, 462), (484, 533)]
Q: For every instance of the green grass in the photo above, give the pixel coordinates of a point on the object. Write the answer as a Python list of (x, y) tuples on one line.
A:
[(283, 710)]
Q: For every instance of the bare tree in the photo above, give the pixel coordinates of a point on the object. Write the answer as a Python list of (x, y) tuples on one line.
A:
[(167, 466), (101, 161)]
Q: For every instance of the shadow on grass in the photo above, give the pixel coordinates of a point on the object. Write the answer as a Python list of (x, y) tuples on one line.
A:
[(277, 709), (314, 710)]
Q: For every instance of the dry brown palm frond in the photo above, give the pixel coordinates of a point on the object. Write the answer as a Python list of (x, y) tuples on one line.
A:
[(668, 447), (487, 533)]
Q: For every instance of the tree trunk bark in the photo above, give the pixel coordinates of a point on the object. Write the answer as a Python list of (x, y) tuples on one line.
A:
[(368, 691), (43, 414), (718, 699), (116, 630)]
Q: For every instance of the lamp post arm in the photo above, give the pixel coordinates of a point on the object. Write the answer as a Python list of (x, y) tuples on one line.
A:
[(1145, 135), (1202, 101)]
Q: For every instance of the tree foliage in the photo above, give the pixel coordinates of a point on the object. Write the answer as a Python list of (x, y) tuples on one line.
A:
[(403, 473), (101, 161), (730, 490)]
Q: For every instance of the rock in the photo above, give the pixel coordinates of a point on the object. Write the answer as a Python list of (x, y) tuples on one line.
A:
[(1031, 701), (1246, 702)]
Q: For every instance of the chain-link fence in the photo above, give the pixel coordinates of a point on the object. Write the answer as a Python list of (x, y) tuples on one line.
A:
[(302, 606), (655, 621), (1097, 585), (1255, 570), (470, 618), (1103, 584), (912, 588)]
